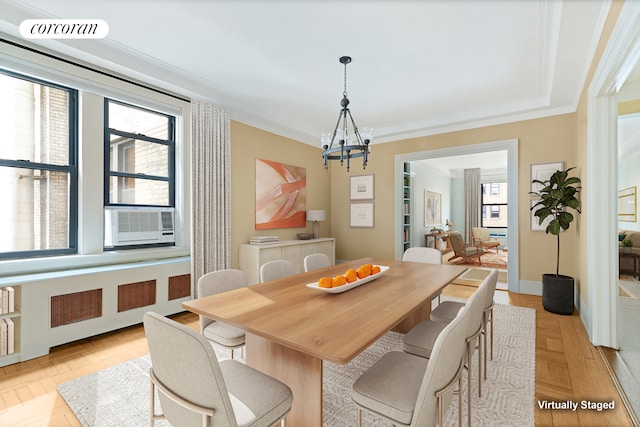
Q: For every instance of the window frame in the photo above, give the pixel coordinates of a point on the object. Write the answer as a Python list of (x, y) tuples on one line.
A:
[(488, 213), (170, 143), (71, 168)]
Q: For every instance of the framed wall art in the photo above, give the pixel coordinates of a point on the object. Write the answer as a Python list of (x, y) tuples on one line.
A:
[(361, 215), (281, 195), (361, 187), (432, 208), (627, 204), (542, 172)]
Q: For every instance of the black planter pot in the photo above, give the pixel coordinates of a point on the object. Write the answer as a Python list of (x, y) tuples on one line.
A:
[(557, 293)]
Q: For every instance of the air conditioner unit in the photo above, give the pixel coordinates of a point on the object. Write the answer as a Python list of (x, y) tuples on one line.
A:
[(138, 226)]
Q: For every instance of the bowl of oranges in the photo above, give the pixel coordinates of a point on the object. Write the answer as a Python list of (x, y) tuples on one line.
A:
[(352, 278)]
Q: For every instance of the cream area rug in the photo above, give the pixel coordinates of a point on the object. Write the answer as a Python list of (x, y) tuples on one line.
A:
[(119, 395)]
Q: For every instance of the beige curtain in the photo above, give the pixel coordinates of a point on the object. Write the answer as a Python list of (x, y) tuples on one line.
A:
[(211, 198), (471, 201)]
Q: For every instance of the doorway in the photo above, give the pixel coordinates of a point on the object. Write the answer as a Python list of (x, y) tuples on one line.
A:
[(511, 148)]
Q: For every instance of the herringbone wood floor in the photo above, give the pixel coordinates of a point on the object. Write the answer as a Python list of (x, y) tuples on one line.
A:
[(568, 367)]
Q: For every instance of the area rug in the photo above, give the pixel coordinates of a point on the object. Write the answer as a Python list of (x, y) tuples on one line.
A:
[(475, 276), (489, 259), (119, 395), (629, 289)]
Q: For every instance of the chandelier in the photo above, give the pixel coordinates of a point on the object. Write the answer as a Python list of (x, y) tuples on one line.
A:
[(345, 143)]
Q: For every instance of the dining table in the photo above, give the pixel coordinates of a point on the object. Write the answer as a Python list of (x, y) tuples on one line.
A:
[(291, 325)]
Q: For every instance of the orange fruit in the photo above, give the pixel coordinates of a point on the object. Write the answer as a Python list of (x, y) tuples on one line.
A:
[(325, 282), (351, 275), (338, 281), (375, 269), (363, 271)]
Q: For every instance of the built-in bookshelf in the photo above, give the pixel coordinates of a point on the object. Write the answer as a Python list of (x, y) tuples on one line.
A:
[(406, 206), (9, 323)]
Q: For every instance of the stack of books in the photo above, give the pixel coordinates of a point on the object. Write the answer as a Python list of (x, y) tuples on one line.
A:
[(7, 337), (263, 240), (7, 300)]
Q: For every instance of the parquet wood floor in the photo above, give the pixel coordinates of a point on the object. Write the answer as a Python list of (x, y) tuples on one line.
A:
[(568, 367)]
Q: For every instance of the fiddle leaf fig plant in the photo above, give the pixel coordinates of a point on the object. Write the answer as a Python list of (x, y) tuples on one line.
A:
[(559, 192)]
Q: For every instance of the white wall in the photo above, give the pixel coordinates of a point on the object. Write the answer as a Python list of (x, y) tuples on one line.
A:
[(428, 179)]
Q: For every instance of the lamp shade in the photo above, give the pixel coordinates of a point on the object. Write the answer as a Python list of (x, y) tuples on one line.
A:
[(315, 215)]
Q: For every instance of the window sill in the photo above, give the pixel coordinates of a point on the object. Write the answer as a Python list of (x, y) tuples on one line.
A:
[(59, 263)]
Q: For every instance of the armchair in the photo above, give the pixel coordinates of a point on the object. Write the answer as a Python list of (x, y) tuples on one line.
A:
[(480, 236), (462, 251)]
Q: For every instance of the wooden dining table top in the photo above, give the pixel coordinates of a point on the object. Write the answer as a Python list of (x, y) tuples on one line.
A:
[(333, 327)]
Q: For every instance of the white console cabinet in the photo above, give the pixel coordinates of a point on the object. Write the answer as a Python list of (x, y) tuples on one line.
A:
[(253, 256)]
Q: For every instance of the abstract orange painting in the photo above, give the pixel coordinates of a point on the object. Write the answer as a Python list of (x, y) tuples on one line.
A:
[(281, 195)]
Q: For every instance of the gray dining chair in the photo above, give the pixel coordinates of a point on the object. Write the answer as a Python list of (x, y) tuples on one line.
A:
[(448, 309), (425, 255), (194, 389), (277, 269), (410, 390), (316, 262), (421, 339), (221, 333)]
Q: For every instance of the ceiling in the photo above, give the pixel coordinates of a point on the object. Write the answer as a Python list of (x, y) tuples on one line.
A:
[(419, 67)]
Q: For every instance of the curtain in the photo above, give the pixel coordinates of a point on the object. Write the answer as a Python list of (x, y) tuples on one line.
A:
[(211, 191), (471, 201)]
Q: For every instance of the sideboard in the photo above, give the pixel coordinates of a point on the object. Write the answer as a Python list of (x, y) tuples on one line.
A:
[(251, 257)]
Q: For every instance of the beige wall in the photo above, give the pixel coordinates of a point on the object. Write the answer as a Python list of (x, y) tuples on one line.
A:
[(249, 144), (543, 140)]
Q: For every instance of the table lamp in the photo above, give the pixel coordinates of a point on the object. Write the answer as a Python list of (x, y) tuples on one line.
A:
[(315, 216)]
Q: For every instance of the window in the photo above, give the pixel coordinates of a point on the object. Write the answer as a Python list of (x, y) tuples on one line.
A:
[(38, 167), (139, 156), (494, 204)]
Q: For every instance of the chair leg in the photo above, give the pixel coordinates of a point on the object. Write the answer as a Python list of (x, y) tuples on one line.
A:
[(479, 367), (484, 339), (469, 357), (152, 396), (491, 320), (359, 417), (283, 423)]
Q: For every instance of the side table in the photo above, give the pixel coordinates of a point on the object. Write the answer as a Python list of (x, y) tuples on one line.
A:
[(636, 261)]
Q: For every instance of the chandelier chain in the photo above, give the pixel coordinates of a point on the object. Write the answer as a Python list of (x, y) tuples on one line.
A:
[(345, 80)]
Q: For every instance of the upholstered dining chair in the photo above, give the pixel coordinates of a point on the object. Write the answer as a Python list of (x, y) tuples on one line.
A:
[(425, 255), (462, 251), (422, 254), (409, 390), (195, 389), (481, 238), (316, 261), (420, 340), (447, 310), (277, 269), (216, 282)]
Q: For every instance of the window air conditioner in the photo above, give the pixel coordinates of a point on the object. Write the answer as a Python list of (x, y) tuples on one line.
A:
[(138, 226)]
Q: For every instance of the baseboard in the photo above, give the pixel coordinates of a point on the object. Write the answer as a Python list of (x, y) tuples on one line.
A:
[(530, 287)]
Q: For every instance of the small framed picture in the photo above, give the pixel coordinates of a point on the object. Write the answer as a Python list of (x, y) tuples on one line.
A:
[(542, 172), (535, 226), (362, 187), (361, 215)]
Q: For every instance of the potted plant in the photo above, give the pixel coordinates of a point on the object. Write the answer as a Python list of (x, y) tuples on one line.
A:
[(627, 244), (557, 193)]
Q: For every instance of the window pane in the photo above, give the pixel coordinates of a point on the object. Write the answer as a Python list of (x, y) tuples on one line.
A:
[(138, 191), (40, 217), (497, 218), (34, 122), (141, 157), (496, 193), (135, 120)]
